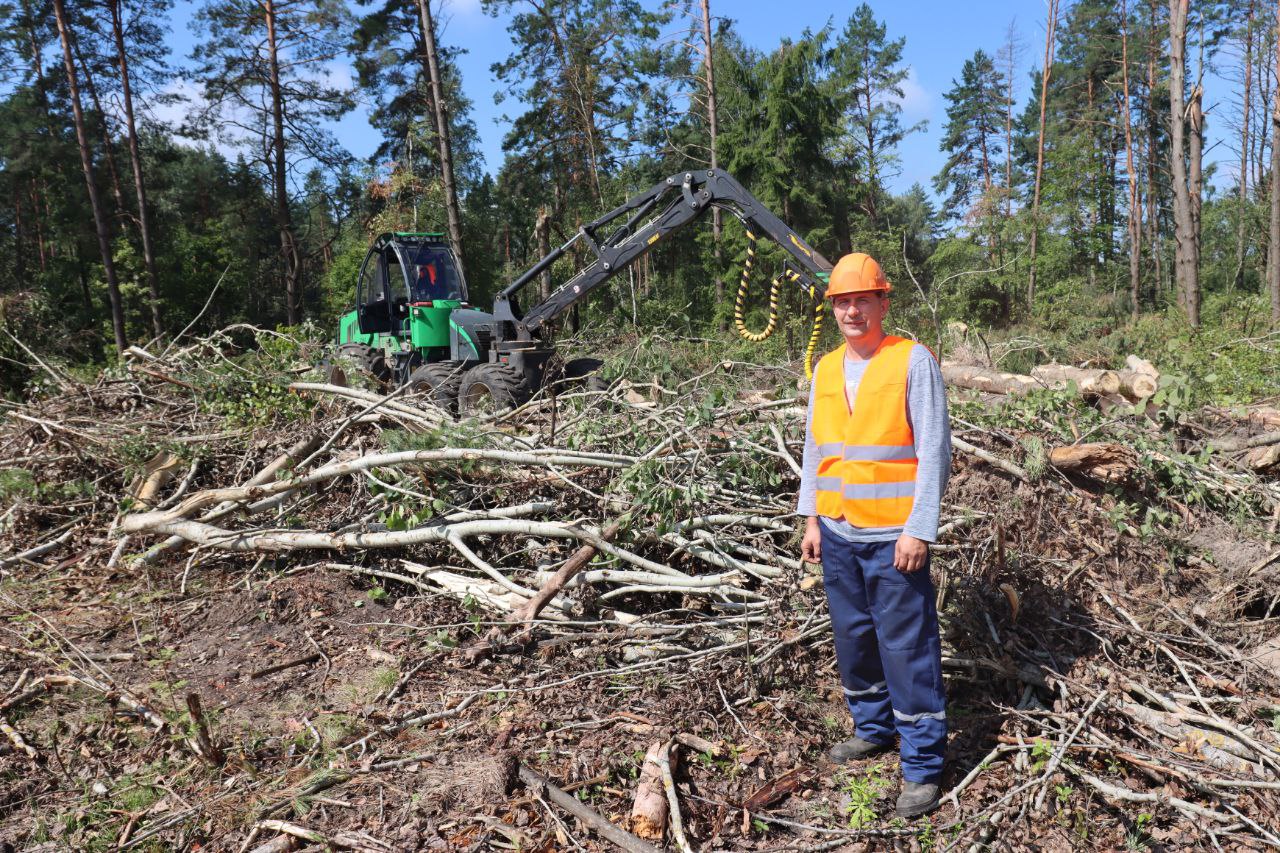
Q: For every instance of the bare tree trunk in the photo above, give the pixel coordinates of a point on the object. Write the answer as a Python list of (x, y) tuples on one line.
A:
[(1242, 205), (284, 220), (1153, 176), (542, 233), (443, 141), (1011, 48), (1273, 268), (108, 147), (1185, 271), (1135, 211), (86, 163), (1195, 196), (713, 123), (20, 239), (1035, 197), (135, 155)]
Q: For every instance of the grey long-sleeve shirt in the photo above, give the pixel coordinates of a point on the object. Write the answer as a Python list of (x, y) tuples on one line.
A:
[(931, 428)]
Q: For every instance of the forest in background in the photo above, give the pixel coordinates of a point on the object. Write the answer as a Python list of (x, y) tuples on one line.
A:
[(1083, 209)]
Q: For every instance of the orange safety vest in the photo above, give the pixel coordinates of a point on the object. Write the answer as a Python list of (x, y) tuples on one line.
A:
[(867, 475)]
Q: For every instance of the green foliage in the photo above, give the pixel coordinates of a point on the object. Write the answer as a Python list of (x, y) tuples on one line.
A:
[(19, 483), (1139, 835), (252, 389), (863, 791)]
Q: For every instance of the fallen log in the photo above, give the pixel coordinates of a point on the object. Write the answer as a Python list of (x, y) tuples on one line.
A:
[(989, 457), (1233, 444), (991, 381), (1137, 385), (1096, 382), (1263, 458), (1113, 463), (649, 809), (290, 458), (1260, 416), (157, 472), (1141, 365)]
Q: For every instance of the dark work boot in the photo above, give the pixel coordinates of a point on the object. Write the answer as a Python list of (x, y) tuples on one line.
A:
[(855, 750), (917, 798)]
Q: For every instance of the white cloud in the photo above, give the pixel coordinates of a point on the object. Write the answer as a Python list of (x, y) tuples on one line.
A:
[(179, 101), (917, 102), (461, 7)]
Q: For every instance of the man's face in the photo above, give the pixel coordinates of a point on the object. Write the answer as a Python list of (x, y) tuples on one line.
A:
[(860, 315)]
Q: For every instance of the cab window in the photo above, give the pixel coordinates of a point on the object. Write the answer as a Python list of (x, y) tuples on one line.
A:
[(433, 275)]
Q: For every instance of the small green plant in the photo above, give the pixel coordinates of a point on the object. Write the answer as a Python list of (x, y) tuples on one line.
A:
[(1139, 836), (1036, 459), (1041, 750), (863, 791), (1063, 794), (925, 835)]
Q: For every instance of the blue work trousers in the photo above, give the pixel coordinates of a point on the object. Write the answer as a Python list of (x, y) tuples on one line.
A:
[(890, 659)]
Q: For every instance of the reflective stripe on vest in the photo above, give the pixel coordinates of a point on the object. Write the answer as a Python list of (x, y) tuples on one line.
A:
[(867, 471)]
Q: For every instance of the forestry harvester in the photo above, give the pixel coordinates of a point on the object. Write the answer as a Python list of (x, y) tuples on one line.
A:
[(413, 322)]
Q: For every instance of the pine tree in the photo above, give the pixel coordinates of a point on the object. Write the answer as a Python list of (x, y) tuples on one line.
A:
[(869, 72), (972, 139), (86, 161), (578, 67), (260, 65)]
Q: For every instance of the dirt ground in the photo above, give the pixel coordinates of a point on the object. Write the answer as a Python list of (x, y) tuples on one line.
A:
[(1103, 685)]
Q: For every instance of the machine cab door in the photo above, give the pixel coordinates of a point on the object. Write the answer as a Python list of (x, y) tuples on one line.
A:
[(375, 300)]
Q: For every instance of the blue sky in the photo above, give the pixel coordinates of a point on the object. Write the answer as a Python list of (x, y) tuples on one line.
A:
[(939, 36)]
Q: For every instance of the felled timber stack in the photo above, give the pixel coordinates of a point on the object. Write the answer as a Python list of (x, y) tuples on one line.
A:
[(1137, 383)]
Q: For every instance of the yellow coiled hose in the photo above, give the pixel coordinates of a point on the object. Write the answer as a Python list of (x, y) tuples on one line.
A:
[(818, 312), (740, 304)]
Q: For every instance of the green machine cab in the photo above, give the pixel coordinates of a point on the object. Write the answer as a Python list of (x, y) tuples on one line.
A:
[(412, 309)]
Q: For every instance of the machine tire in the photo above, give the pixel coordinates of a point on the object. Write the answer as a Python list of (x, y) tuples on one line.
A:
[(581, 369), (443, 379), (368, 359), (491, 388), (583, 372)]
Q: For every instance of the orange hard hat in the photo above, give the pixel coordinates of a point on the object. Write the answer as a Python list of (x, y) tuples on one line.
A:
[(856, 273)]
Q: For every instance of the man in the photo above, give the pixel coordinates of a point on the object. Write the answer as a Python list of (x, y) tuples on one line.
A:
[(876, 461)]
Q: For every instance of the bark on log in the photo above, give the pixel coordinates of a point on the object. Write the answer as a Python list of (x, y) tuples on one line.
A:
[(1232, 444), (158, 471), (1137, 385), (1114, 463), (649, 809), (992, 381), (1263, 458), (1262, 416), (1097, 382)]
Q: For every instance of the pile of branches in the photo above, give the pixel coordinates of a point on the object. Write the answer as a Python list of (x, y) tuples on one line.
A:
[(1101, 667)]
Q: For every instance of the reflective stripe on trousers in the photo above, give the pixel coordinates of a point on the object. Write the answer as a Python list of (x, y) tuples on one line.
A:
[(890, 660)]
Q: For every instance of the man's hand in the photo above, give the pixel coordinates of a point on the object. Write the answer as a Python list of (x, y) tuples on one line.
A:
[(910, 554), (811, 544)]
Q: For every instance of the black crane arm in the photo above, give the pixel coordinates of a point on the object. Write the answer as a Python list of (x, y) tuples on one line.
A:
[(694, 193)]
